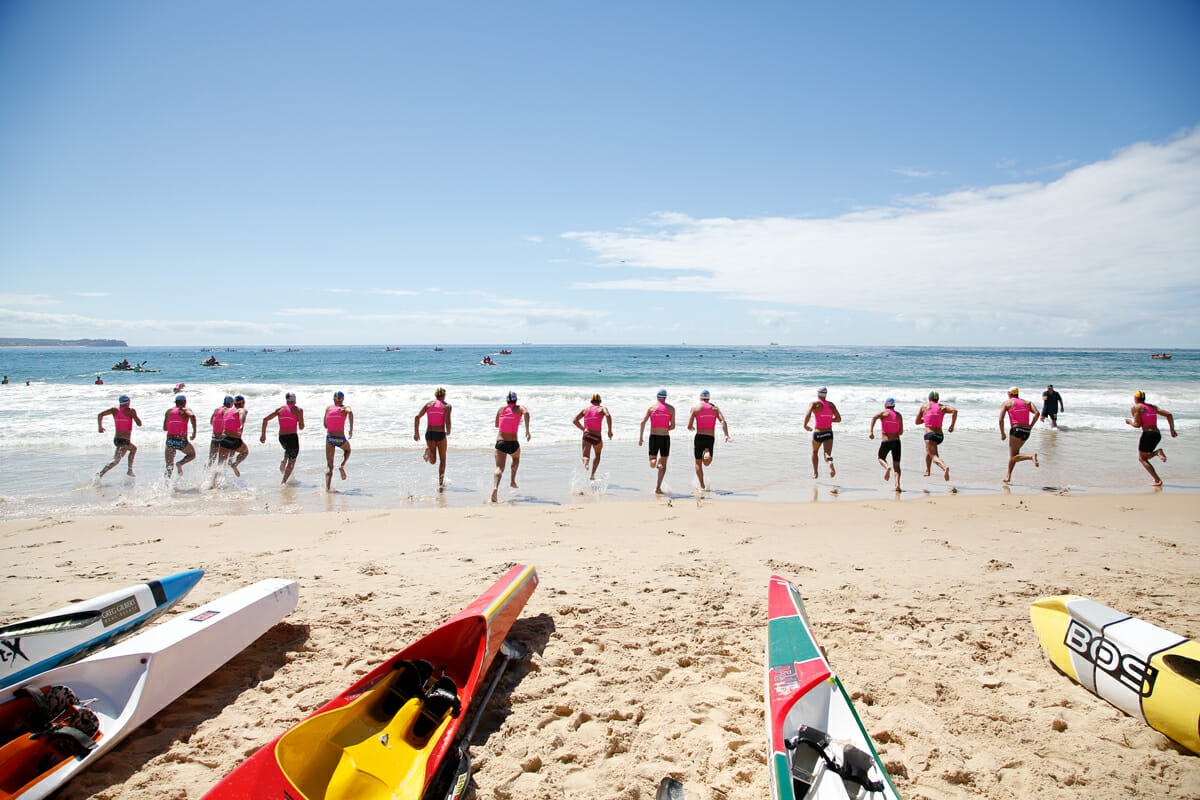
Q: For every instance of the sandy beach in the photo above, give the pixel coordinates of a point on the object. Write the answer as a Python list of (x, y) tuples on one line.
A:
[(646, 635)]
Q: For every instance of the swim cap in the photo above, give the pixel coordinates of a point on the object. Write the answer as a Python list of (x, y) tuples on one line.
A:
[(239, 399), (123, 399), (512, 397), (290, 397), (338, 397), (228, 400), (704, 395), (1139, 395), (596, 399), (662, 393), (1014, 391), (440, 392), (889, 403), (933, 396), (822, 390), (180, 400)]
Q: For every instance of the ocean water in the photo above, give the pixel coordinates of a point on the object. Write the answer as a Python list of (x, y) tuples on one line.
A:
[(51, 447)]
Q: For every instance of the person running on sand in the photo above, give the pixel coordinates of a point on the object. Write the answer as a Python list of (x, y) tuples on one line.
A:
[(593, 418), (931, 415), (703, 420), (508, 421), (123, 418), (437, 429), (823, 414), (175, 423), (218, 429), (1052, 403), (892, 426), (291, 420), (1022, 417), (232, 444), (661, 416), (1145, 416), (339, 429)]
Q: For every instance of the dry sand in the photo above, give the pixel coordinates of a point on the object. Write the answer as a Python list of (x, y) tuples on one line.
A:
[(647, 632)]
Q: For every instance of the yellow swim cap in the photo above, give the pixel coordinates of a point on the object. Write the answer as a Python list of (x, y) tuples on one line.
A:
[(596, 399), (1139, 395), (441, 392), (1014, 391)]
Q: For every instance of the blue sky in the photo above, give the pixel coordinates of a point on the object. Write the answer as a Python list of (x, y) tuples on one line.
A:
[(218, 173)]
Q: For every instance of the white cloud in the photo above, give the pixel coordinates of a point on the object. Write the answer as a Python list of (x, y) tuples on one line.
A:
[(535, 239), (339, 291), (1107, 246), (394, 292), (91, 294), (75, 326), (309, 312), (28, 300), (908, 172)]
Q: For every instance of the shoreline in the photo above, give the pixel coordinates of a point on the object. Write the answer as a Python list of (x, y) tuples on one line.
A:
[(646, 634)]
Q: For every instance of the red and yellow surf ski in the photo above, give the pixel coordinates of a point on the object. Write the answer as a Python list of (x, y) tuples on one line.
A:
[(386, 735)]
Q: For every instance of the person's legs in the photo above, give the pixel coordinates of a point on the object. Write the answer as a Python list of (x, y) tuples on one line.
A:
[(441, 455), (345, 458), (498, 474), (596, 448), (829, 456), (816, 447), (329, 450), (189, 454), (662, 471)]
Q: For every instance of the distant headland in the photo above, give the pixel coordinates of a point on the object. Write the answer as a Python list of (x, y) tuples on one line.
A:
[(62, 343)]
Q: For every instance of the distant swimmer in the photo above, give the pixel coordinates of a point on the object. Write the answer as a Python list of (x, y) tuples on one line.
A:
[(1145, 416), (175, 423), (661, 416), (931, 415), (99, 381), (1022, 417), (508, 421), (891, 425), (123, 418), (218, 429), (437, 431), (703, 420), (823, 414), (1052, 404), (291, 420), (591, 421), (339, 429), (232, 445)]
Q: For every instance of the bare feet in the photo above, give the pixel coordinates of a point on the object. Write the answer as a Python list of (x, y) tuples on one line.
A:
[(1156, 483), (233, 467), (1035, 461), (1161, 455), (832, 471), (342, 470), (513, 483), (887, 474), (946, 476), (1008, 478)]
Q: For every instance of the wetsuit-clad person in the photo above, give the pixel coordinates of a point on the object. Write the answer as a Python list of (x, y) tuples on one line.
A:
[(218, 428), (123, 418), (175, 423), (232, 445), (1022, 417), (291, 420), (823, 414), (339, 429), (703, 420), (892, 426), (437, 429), (932, 415), (508, 422), (661, 416), (1052, 403), (1145, 416), (591, 421)]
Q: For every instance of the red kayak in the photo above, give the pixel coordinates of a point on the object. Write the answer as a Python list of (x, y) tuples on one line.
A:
[(388, 734)]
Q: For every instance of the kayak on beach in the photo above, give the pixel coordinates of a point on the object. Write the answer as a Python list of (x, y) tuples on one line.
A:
[(388, 734), (817, 745), (57, 725), (39, 643), (1149, 673)]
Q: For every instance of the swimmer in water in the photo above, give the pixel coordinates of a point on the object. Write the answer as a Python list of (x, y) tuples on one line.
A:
[(661, 416), (123, 418), (339, 429), (291, 420), (1022, 417), (892, 426), (175, 423), (508, 421), (593, 418), (823, 414), (218, 429), (437, 431), (1145, 416), (932, 415), (703, 420)]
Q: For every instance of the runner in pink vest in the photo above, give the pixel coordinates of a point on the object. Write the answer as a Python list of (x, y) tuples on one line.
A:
[(1022, 417), (892, 425)]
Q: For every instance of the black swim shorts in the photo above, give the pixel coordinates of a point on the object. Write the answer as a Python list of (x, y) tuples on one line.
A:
[(890, 446), (120, 441), (702, 442), (177, 442), (435, 436), (509, 446), (936, 438), (1019, 433), (1149, 441), (823, 436), (660, 445), (231, 443), (592, 437), (290, 442)]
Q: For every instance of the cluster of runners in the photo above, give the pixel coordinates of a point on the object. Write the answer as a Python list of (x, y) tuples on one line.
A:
[(228, 421)]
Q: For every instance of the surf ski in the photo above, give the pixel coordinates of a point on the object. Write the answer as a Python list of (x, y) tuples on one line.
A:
[(40, 643), (387, 735), (817, 745), (55, 726), (1149, 673)]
